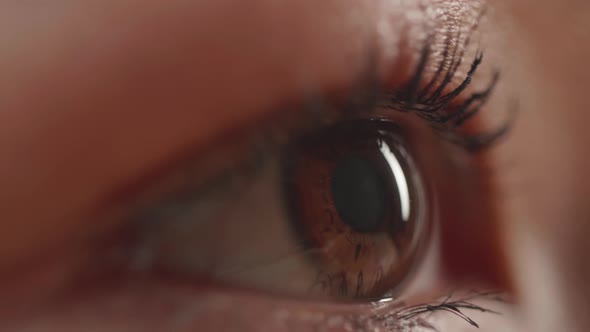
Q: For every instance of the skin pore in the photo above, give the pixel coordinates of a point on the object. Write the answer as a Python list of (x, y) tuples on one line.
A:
[(98, 94)]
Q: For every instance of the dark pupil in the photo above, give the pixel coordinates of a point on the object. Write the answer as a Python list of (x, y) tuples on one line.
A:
[(359, 193)]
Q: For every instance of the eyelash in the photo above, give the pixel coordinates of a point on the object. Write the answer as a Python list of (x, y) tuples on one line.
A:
[(445, 115), (438, 108), (398, 317)]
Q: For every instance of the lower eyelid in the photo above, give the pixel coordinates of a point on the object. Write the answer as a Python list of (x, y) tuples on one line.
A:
[(164, 306), (150, 304)]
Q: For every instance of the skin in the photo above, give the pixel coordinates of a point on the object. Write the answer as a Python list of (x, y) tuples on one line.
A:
[(133, 87)]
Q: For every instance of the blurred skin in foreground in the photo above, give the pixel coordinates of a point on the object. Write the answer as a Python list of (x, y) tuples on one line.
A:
[(97, 97)]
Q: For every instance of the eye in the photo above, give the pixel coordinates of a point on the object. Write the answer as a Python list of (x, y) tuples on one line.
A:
[(335, 209), (357, 199), (339, 213)]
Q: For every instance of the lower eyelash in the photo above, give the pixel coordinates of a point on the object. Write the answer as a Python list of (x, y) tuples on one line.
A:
[(413, 317), (451, 306)]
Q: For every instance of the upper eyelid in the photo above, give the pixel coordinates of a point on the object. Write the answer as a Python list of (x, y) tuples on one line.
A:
[(248, 142), (362, 101)]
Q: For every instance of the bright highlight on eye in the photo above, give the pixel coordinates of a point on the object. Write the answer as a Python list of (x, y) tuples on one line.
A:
[(400, 178)]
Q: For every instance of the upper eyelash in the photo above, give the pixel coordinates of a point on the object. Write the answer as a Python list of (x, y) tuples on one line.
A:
[(419, 100), (368, 93), (439, 110), (443, 111)]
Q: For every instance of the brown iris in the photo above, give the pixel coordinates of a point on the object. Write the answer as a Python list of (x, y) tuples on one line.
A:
[(356, 201)]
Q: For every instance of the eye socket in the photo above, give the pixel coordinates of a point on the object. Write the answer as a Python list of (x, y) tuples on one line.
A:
[(358, 200), (339, 214)]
